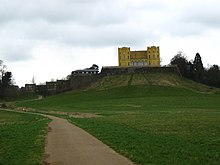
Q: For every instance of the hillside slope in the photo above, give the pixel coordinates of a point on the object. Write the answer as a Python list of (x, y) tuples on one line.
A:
[(149, 118), (159, 122), (150, 79)]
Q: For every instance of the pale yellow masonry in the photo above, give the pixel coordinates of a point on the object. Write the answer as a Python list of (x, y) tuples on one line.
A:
[(149, 57)]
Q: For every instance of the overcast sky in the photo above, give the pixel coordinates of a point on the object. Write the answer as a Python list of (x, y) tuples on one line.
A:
[(48, 39)]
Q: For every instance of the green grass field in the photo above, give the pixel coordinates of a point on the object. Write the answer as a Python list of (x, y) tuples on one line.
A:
[(149, 124), (22, 138)]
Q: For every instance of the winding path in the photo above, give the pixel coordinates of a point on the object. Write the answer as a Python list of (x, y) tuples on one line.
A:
[(70, 145)]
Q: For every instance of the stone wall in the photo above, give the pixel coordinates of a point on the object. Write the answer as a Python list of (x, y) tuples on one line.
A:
[(82, 81), (106, 71), (62, 86)]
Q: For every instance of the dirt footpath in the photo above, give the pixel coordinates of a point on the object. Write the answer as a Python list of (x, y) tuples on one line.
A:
[(70, 145)]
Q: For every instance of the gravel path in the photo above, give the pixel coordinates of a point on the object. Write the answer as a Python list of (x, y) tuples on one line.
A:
[(70, 145)]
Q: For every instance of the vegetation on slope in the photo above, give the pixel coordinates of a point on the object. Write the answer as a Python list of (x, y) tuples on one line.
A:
[(158, 79), (22, 138)]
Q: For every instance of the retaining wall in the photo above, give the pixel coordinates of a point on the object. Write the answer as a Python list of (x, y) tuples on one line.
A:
[(106, 71), (82, 81)]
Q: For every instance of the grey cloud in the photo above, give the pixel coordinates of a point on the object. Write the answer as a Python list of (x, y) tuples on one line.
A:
[(203, 14), (192, 18), (72, 21), (210, 19), (15, 53), (14, 46), (28, 35), (96, 24), (85, 12), (184, 29), (102, 36), (73, 33)]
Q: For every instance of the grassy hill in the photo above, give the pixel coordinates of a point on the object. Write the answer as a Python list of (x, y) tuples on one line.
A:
[(156, 79), (150, 118)]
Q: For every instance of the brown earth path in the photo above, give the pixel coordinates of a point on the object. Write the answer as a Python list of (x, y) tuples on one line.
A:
[(70, 145)]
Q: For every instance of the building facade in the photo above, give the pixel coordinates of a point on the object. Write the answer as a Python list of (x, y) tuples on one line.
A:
[(149, 57), (30, 87), (94, 70), (51, 86)]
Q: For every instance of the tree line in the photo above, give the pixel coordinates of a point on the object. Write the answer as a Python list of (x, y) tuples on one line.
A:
[(195, 70), (7, 89)]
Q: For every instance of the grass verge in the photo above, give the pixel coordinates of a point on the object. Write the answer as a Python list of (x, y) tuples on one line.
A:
[(22, 138)]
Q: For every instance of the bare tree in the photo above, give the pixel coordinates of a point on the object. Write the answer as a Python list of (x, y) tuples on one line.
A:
[(2, 69), (33, 80)]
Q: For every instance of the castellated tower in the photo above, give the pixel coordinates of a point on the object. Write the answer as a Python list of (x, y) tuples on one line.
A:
[(149, 57), (153, 53), (124, 55)]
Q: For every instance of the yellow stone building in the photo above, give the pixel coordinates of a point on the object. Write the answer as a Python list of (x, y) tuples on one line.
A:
[(149, 57)]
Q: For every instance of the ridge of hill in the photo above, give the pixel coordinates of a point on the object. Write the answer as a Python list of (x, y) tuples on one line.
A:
[(150, 79)]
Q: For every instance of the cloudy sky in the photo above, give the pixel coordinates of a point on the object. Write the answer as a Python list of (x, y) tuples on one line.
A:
[(48, 39)]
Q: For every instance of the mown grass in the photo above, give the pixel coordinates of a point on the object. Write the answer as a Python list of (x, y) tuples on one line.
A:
[(22, 138), (148, 124)]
